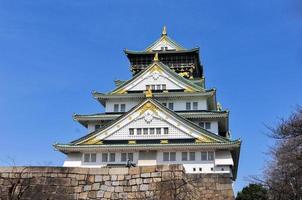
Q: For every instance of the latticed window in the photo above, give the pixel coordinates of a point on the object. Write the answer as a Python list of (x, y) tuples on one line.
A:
[(104, 157), (195, 105), (112, 157), (89, 157), (188, 106), (166, 130), (192, 156), (123, 107), (184, 156), (115, 107)]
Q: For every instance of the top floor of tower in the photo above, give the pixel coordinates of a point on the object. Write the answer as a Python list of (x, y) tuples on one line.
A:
[(183, 61)]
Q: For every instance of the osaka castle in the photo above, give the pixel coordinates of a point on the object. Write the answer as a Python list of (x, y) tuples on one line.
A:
[(162, 115)]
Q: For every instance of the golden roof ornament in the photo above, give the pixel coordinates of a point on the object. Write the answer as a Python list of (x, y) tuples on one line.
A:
[(164, 32), (149, 93), (156, 57)]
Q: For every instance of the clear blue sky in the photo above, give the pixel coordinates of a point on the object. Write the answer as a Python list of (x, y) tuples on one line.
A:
[(54, 53)]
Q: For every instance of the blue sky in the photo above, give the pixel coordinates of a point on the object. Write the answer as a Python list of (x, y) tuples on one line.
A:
[(54, 53)]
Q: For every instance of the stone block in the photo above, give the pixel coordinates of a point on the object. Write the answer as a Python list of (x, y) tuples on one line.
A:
[(156, 174), (107, 194), (119, 171), (147, 180), (118, 189), (148, 169), (120, 177), (145, 175), (134, 170), (122, 195), (96, 186), (132, 182), (104, 187), (113, 178), (106, 178), (144, 187), (100, 194), (87, 187), (115, 183), (98, 178), (139, 181), (92, 194)]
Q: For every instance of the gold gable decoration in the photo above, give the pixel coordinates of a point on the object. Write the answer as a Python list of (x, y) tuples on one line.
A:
[(92, 141), (164, 141), (132, 142), (202, 139), (148, 106)]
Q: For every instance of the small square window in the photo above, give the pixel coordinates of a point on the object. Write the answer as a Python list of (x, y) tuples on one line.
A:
[(131, 131), (151, 131), (115, 107), (172, 156), (153, 87), (171, 106), (145, 131), (112, 157), (208, 125), (147, 87), (104, 157), (166, 130), (164, 87), (212, 169), (184, 156), (130, 156), (165, 104), (194, 169), (204, 156), (158, 87), (192, 156), (210, 155), (201, 124), (195, 105), (97, 126), (123, 107), (200, 169), (123, 157), (86, 157), (158, 131), (93, 157), (138, 131), (188, 106), (166, 156)]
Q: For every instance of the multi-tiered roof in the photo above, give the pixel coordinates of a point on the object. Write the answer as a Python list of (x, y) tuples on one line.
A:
[(184, 70)]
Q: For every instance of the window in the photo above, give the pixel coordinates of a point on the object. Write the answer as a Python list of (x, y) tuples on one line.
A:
[(89, 157), (192, 156), (112, 157), (97, 126), (151, 131), (153, 87), (205, 125), (207, 156), (158, 87), (147, 87), (158, 131), (195, 105), (145, 131), (194, 169), (123, 107), (166, 130), (169, 156), (123, 157), (86, 157), (131, 131), (104, 157), (165, 104), (130, 156), (166, 156), (164, 87), (171, 106), (115, 109), (139, 131), (126, 156), (210, 155), (208, 125), (188, 106), (184, 156), (204, 156), (200, 169)]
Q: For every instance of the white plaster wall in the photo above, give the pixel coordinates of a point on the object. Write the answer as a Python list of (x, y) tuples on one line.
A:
[(73, 160), (214, 125), (180, 104), (129, 104), (164, 44), (221, 163)]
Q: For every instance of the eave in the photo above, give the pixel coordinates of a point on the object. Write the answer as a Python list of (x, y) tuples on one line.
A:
[(101, 97), (131, 52)]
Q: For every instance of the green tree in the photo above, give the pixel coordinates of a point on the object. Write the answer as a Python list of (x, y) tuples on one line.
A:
[(253, 192)]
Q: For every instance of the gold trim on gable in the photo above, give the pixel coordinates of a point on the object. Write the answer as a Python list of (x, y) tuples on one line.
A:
[(148, 106), (132, 142), (164, 141)]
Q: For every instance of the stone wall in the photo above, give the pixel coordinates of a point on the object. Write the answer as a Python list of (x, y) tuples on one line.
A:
[(156, 182)]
